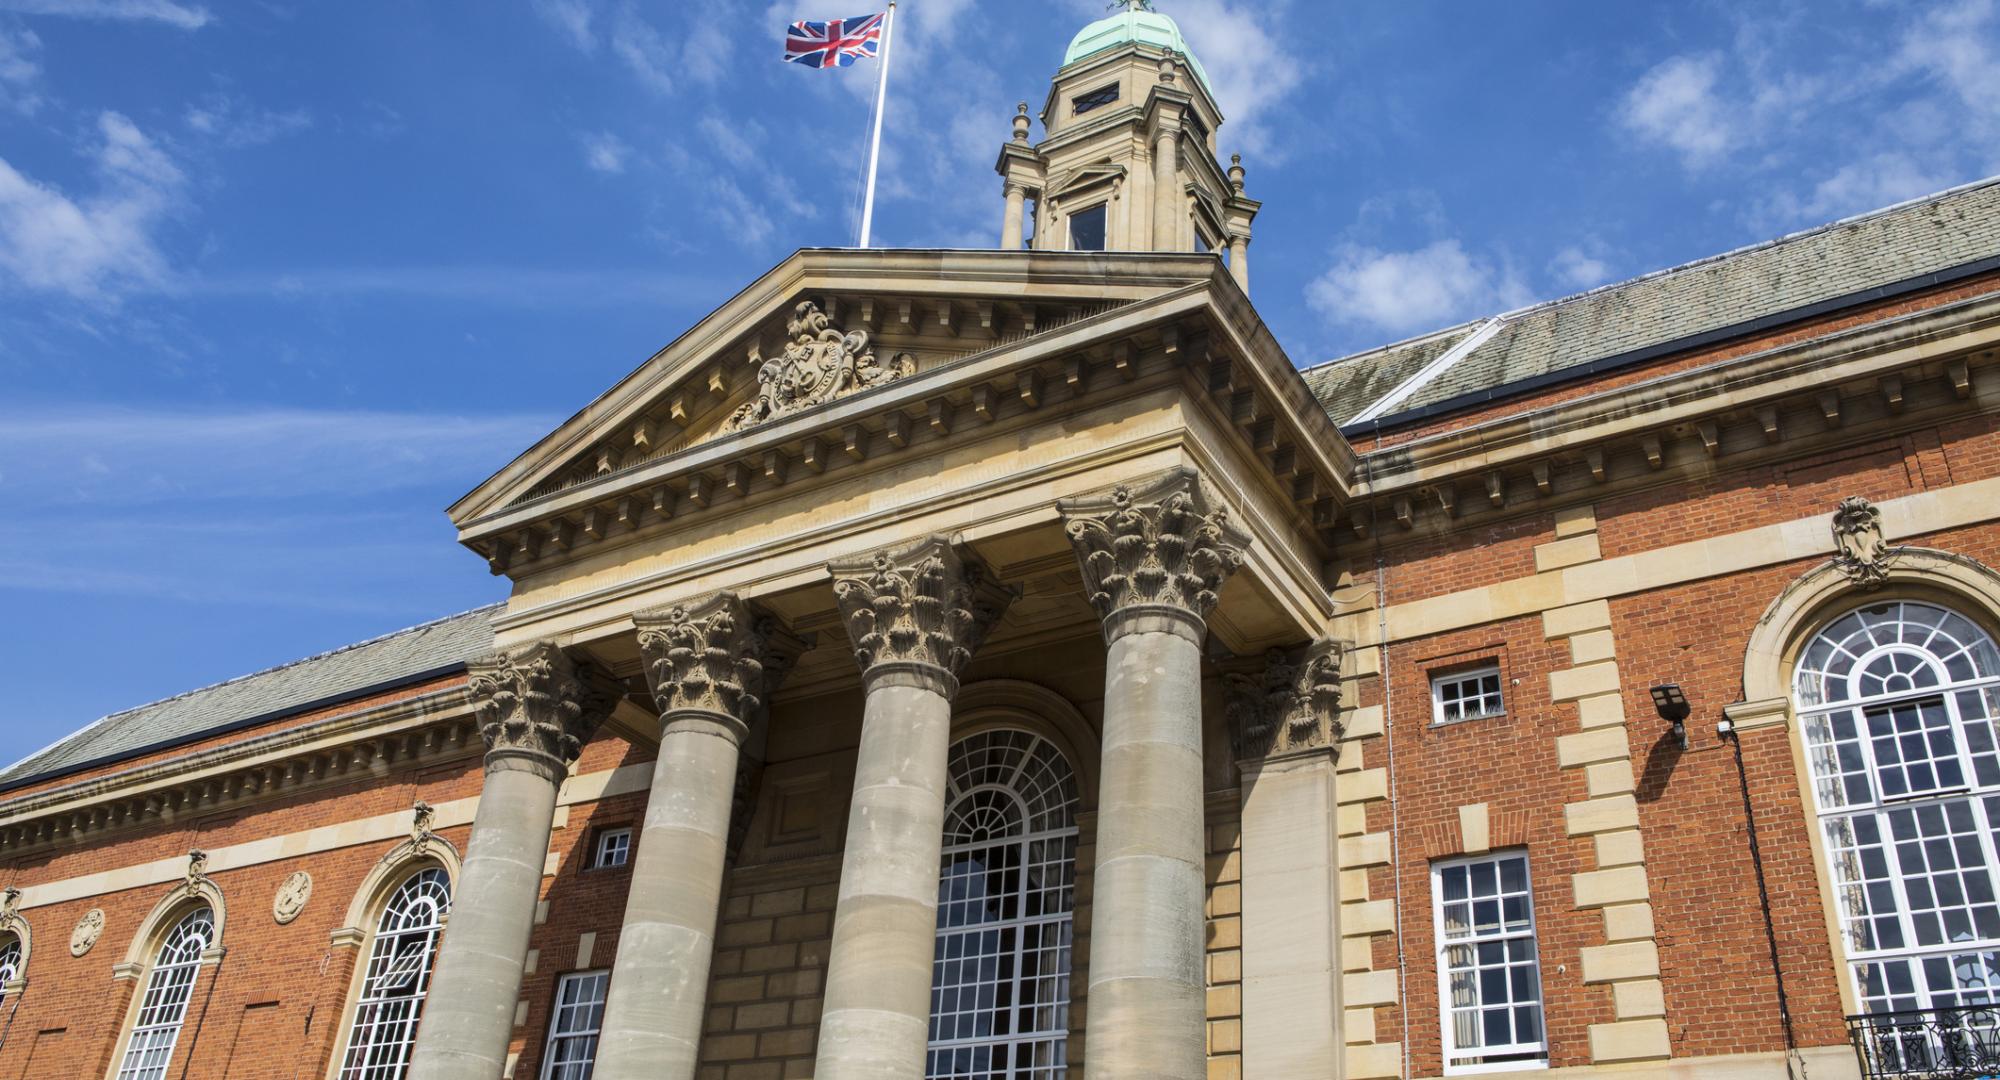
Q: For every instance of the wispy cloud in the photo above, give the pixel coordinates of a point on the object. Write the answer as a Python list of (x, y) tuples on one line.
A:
[(184, 16), (1677, 105), (605, 152), (1421, 289), (20, 71), (235, 123), (573, 18), (98, 246), (1581, 266), (533, 287)]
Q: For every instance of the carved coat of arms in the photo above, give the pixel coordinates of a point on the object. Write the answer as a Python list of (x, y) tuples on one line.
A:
[(819, 363), (292, 897), (88, 930)]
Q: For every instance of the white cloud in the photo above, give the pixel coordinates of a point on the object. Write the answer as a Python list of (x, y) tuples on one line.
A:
[(740, 215), (1953, 44), (1676, 104), (1580, 267), (99, 246), (518, 286), (605, 152), (1402, 291), (647, 53), (1252, 66), (737, 142), (235, 124), (1873, 182), (573, 18), (184, 16), (20, 72)]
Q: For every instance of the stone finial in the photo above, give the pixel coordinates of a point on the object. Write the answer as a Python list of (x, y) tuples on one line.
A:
[(1236, 173), (1154, 546), (715, 655), (1859, 550), (924, 606), (1290, 706), (1021, 122), (536, 701)]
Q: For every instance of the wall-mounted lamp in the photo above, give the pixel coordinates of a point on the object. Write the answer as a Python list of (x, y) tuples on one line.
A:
[(1672, 705)]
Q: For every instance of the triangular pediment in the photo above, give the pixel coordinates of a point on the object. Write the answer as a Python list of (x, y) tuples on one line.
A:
[(1083, 178), (822, 326)]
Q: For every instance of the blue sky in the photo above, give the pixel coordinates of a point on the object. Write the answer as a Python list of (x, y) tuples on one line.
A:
[(278, 280)]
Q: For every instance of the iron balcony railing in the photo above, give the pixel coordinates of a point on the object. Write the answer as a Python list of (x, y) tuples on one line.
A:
[(1956, 1042)]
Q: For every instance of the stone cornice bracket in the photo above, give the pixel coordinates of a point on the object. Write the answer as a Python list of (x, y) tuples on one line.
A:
[(537, 706), (1859, 550), (1290, 707), (716, 656), (1153, 551), (916, 614)]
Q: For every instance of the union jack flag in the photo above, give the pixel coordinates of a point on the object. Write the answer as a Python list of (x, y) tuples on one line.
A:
[(835, 43)]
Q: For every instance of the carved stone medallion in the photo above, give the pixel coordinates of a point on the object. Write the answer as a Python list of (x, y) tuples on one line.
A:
[(819, 363), (292, 897), (1859, 551), (88, 930)]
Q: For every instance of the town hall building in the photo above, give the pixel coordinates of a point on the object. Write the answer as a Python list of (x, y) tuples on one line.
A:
[(1013, 665)]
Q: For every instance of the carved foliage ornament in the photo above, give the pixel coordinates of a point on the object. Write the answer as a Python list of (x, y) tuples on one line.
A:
[(10, 902), (1859, 551), (88, 930), (197, 872), (537, 699), (819, 363), (292, 897), (1291, 705), (924, 604), (423, 818), (1156, 545), (715, 655)]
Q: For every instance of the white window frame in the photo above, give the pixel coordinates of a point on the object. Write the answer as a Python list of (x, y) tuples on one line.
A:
[(11, 955), (163, 1003), (386, 1046), (1446, 1039), (1456, 676), (1841, 795), (601, 850), (601, 978)]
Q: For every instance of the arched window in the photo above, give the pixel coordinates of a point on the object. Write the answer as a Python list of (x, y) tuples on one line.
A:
[(399, 975), (168, 987), (1897, 702), (10, 961), (1000, 971)]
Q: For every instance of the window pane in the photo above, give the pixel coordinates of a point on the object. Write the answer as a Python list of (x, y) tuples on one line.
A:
[(1487, 963), (1086, 230)]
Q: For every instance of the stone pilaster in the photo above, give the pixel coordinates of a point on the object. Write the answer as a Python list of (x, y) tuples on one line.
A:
[(711, 665), (1154, 558), (914, 616), (536, 709), (1285, 720)]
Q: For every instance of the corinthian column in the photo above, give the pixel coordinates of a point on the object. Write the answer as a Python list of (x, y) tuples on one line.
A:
[(536, 709), (1153, 559), (711, 665), (914, 617)]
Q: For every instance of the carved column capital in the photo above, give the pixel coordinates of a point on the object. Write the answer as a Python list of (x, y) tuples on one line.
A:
[(1289, 707), (537, 707), (716, 657), (915, 614), (1154, 555)]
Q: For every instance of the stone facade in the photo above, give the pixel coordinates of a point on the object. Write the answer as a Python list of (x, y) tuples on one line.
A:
[(909, 579)]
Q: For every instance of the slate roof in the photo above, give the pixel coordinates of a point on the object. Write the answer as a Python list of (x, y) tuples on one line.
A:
[(1846, 259), (428, 650)]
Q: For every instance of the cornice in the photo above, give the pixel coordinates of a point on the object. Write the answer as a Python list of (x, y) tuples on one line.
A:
[(436, 726), (1868, 381)]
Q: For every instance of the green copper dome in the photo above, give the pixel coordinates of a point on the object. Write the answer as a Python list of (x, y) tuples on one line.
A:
[(1135, 24)]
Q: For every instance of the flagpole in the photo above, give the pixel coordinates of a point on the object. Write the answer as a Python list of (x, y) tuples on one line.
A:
[(875, 143)]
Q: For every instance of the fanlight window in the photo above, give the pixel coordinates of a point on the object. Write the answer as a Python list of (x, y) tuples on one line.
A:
[(163, 1008), (399, 976), (10, 961), (1897, 702), (1000, 971)]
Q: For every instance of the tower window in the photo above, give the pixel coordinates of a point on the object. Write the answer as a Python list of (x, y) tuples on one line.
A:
[(1103, 95), (1086, 229)]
